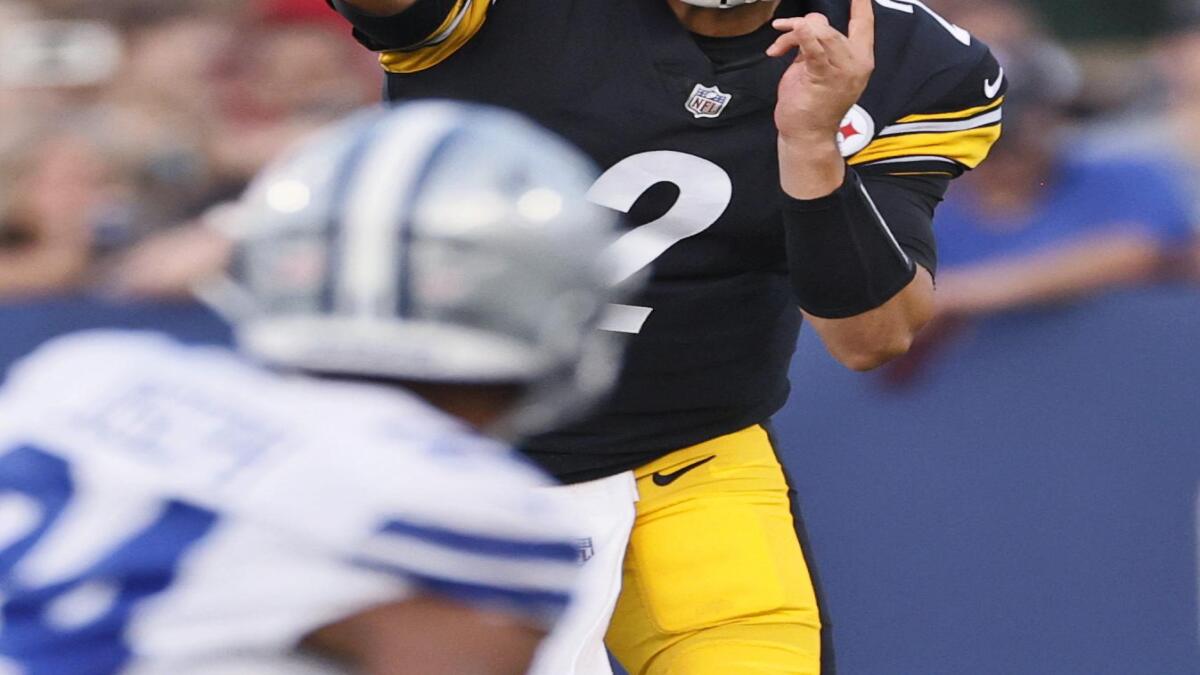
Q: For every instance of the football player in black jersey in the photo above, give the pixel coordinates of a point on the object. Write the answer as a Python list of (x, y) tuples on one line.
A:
[(770, 155)]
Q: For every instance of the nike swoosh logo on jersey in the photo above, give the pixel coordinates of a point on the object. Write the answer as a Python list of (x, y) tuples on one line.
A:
[(990, 89), (665, 479)]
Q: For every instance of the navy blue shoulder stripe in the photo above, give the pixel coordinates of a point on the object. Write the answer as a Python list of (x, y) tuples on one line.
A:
[(499, 547)]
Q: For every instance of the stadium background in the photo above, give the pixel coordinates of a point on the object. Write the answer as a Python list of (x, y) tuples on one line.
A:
[(1019, 496)]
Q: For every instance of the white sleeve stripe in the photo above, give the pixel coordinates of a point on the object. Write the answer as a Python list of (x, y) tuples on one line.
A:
[(445, 34), (914, 158), (883, 224), (989, 118)]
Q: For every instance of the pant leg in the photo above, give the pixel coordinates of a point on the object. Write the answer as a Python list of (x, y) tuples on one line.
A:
[(715, 579)]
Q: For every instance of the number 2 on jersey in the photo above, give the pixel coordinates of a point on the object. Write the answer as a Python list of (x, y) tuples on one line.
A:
[(705, 191)]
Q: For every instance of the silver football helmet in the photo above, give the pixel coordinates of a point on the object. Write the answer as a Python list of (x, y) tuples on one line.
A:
[(436, 242)]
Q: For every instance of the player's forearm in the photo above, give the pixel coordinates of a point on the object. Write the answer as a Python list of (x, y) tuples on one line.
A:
[(864, 294), (844, 271), (810, 166), (380, 7), (871, 339), (432, 636)]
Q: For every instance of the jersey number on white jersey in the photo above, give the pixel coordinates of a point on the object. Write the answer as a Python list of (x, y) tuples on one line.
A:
[(71, 575)]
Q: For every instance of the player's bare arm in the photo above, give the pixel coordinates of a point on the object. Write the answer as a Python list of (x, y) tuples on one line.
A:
[(828, 76), (410, 638), (870, 340)]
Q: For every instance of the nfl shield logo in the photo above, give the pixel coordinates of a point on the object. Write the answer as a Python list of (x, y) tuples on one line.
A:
[(707, 101)]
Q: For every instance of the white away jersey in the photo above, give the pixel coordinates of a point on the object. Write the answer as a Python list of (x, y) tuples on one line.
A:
[(167, 509)]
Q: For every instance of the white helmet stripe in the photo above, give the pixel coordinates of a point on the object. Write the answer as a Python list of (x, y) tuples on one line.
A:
[(383, 186)]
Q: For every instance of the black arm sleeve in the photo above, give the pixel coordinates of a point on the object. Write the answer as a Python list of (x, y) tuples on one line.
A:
[(845, 251), (907, 203), (398, 31)]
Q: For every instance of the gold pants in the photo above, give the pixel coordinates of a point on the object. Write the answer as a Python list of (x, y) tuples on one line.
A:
[(715, 581)]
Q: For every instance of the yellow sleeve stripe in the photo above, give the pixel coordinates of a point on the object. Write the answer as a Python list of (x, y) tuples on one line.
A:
[(959, 115), (968, 147), (457, 30)]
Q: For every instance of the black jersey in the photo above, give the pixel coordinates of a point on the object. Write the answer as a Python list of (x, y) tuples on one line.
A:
[(687, 142)]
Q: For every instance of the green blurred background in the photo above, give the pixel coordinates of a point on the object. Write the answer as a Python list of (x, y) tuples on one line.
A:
[(1076, 20)]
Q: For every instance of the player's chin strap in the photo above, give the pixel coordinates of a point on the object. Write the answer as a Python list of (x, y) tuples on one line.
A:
[(719, 4)]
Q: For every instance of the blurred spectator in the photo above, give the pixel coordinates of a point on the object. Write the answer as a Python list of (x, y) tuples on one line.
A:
[(122, 122), (1040, 222), (1164, 124), (1037, 223), (58, 182)]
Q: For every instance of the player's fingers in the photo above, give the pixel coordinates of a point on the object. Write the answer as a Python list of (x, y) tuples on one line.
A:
[(816, 20), (837, 47), (862, 25), (810, 47), (804, 33), (786, 24), (837, 51), (787, 41), (783, 44)]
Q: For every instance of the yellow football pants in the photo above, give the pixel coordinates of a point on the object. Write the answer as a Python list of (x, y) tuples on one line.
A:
[(715, 581)]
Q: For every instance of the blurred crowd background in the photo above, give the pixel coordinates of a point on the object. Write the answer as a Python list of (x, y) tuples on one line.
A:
[(125, 124)]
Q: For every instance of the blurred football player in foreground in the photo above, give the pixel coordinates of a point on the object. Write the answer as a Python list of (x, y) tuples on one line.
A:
[(324, 502)]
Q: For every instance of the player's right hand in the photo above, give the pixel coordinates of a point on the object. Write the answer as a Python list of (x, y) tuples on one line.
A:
[(829, 73)]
